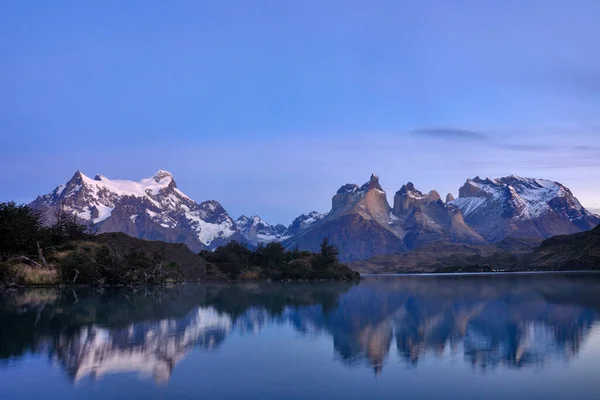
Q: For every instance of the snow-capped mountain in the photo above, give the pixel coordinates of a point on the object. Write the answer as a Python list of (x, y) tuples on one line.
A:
[(256, 231), (521, 207), (152, 208), (302, 222), (361, 222)]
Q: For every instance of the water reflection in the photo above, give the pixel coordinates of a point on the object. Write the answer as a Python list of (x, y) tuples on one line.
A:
[(487, 321)]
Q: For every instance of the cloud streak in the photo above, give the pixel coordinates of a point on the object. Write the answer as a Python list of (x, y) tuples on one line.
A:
[(450, 133), (465, 135)]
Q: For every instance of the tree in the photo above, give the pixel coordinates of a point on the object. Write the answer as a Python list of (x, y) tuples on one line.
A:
[(328, 257), (67, 227), (274, 253), (20, 229)]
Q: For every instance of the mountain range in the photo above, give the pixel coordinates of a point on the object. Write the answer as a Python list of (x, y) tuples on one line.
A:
[(361, 222)]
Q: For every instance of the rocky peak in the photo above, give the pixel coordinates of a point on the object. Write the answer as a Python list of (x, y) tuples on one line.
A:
[(449, 197), (77, 178), (368, 200), (373, 183), (213, 212), (408, 198), (434, 196)]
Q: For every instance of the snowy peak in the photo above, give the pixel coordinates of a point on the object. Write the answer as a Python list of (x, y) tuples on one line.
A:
[(151, 208), (513, 205), (162, 174), (103, 189), (526, 197), (303, 222), (256, 231)]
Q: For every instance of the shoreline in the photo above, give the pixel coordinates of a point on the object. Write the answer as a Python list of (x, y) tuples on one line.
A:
[(537, 272), (269, 281), (171, 284)]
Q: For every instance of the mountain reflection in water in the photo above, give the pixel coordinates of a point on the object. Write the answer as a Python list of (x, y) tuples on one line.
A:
[(501, 321)]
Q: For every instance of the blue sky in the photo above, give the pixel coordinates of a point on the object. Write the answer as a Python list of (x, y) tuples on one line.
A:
[(270, 106)]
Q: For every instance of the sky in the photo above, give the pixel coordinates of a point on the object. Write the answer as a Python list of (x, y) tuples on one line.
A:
[(270, 106)]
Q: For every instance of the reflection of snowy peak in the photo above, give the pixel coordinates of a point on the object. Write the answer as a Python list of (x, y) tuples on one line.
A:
[(149, 348), (153, 208)]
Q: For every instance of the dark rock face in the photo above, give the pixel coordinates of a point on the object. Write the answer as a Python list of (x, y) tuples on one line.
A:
[(355, 237), (425, 218)]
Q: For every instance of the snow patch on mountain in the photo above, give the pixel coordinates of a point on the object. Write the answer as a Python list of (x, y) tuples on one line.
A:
[(468, 204)]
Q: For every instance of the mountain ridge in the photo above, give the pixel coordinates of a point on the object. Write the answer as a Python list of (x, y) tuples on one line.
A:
[(361, 221)]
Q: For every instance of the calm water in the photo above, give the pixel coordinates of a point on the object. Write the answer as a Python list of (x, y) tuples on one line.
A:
[(429, 337)]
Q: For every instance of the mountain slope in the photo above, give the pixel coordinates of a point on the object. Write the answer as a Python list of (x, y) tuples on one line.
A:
[(580, 251)]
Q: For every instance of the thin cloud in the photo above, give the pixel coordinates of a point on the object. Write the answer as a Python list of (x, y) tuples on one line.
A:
[(490, 141), (450, 133), (524, 147)]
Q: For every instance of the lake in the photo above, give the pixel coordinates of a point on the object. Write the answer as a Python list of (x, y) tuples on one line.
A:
[(520, 336)]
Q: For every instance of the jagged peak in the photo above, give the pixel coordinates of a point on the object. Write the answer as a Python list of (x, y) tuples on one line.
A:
[(373, 183), (77, 176), (253, 220), (449, 197), (409, 190), (100, 177)]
